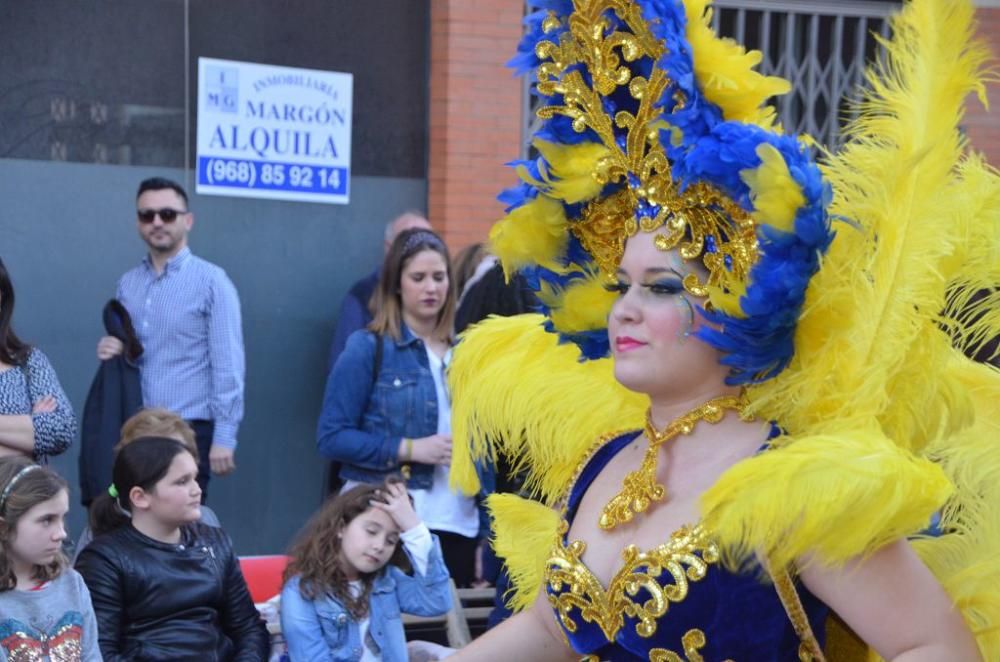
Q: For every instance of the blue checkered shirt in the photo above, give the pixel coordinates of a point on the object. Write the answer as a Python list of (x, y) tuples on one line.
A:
[(188, 320)]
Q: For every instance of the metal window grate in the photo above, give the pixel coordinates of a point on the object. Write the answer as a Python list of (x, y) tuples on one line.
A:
[(820, 46)]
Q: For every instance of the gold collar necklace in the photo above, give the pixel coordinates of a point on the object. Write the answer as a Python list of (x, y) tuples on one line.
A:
[(640, 489)]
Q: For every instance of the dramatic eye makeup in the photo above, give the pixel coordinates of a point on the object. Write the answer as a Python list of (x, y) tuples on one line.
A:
[(658, 281)]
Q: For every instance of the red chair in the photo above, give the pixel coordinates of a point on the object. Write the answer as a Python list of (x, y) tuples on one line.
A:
[(263, 575)]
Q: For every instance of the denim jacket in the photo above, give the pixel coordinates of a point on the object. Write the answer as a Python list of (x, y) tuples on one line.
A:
[(361, 426), (322, 630)]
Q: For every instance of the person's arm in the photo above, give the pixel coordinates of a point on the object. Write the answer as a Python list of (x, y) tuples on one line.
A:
[(428, 591), (104, 581), (240, 619), (17, 434), (530, 636), (54, 428), (339, 433), (301, 627), (228, 366), (91, 649), (925, 625)]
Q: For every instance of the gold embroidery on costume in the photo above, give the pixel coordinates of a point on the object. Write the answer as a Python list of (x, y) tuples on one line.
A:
[(809, 648), (691, 219), (640, 489), (693, 641), (685, 557)]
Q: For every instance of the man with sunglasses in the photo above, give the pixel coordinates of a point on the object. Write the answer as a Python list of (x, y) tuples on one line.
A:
[(186, 313)]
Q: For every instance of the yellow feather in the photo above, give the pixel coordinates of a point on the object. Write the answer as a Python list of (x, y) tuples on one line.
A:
[(584, 306), (966, 560), (725, 71), (532, 233), (523, 534), (572, 167), (829, 495), (776, 197), (869, 342), (728, 302)]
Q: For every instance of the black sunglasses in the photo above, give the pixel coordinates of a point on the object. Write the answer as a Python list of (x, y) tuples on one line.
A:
[(167, 215)]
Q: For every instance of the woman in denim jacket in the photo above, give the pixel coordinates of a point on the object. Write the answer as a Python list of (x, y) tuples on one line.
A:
[(346, 586), (386, 408)]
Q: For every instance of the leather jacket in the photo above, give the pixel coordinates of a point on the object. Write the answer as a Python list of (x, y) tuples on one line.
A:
[(160, 601)]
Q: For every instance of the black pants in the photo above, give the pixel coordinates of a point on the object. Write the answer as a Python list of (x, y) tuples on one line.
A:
[(459, 556), (203, 431)]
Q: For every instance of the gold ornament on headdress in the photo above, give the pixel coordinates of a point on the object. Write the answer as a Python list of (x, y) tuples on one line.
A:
[(691, 219)]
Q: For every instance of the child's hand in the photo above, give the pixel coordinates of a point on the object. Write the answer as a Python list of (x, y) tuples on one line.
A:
[(396, 502)]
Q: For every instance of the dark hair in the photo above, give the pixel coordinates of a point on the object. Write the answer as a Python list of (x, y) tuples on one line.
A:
[(140, 463), (12, 350), (466, 263), (30, 489), (160, 183), (315, 554), (387, 302)]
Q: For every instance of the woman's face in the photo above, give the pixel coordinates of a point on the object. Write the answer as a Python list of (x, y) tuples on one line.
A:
[(423, 286), (176, 498), (367, 543), (652, 323)]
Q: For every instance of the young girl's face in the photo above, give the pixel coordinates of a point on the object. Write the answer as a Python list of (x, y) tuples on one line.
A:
[(176, 498), (367, 543), (40, 532)]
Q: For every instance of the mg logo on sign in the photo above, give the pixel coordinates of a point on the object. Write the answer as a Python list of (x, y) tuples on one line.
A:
[(222, 87)]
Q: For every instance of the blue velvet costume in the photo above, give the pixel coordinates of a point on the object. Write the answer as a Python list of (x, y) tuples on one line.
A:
[(696, 608)]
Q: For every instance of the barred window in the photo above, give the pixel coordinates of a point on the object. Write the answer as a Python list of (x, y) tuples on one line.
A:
[(822, 48)]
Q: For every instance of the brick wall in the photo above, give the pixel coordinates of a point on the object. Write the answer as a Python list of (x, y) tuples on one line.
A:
[(475, 114), (984, 128)]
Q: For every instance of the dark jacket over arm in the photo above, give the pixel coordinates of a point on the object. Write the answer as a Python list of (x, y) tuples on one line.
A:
[(115, 394)]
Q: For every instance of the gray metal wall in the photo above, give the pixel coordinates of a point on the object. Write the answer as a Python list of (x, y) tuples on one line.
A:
[(92, 101)]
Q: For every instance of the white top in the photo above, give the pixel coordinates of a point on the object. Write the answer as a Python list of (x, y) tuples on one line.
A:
[(418, 543), (439, 507)]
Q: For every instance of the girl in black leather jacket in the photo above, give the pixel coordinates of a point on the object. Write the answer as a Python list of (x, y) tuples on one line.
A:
[(164, 586)]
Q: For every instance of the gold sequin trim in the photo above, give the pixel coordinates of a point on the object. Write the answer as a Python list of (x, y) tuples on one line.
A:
[(692, 641), (685, 558), (640, 488)]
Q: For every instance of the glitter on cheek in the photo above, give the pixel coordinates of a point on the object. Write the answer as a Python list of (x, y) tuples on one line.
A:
[(687, 311)]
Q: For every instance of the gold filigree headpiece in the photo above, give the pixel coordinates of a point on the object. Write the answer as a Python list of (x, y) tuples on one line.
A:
[(699, 221)]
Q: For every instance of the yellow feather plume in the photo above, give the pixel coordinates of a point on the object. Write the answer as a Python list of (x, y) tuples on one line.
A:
[(830, 495), (571, 169), (966, 560), (533, 232), (869, 333), (523, 534), (584, 306), (776, 197), (532, 400), (725, 70)]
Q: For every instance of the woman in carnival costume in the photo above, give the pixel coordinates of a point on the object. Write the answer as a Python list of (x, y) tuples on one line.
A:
[(786, 401)]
